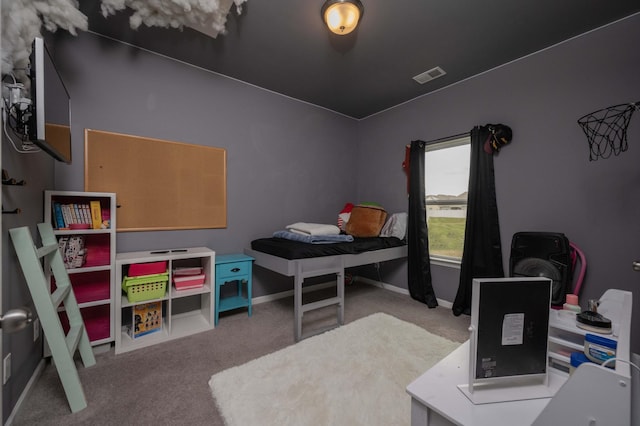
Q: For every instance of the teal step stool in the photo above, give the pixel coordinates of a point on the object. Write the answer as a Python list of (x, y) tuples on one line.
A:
[(232, 268)]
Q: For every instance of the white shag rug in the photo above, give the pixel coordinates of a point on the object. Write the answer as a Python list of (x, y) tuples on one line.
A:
[(352, 375)]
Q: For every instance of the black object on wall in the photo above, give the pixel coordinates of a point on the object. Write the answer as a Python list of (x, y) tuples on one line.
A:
[(543, 254), (419, 264)]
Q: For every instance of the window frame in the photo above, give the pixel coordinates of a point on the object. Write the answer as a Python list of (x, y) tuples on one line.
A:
[(452, 142)]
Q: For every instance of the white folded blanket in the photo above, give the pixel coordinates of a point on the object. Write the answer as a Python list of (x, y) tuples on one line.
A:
[(313, 228)]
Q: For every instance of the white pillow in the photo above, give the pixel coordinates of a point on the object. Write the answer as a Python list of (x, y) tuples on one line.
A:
[(343, 218), (396, 226)]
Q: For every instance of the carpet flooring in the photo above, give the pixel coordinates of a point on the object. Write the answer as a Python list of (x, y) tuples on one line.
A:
[(167, 384)]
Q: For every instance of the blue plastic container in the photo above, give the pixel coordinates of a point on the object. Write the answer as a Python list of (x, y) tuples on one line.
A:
[(577, 359), (599, 349)]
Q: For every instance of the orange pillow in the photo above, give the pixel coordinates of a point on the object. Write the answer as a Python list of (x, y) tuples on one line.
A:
[(366, 221)]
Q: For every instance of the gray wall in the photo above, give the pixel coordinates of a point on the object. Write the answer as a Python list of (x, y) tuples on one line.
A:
[(544, 179), (37, 171), (289, 161)]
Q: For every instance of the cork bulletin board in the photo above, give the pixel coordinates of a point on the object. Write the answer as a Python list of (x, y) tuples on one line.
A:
[(159, 185)]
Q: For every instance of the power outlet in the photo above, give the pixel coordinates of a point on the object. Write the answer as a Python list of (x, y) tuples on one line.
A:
[(6, 368), (36, 329)]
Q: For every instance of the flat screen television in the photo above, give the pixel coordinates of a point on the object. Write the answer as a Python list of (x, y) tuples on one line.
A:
[(49, 125)]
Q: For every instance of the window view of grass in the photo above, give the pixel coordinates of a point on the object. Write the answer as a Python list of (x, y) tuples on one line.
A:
[(446, 184), (446, 236)]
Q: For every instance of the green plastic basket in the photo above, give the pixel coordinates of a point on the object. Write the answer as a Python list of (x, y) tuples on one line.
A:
[(146, 287)]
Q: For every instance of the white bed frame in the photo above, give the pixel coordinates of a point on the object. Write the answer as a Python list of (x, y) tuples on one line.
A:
[(304, 268)]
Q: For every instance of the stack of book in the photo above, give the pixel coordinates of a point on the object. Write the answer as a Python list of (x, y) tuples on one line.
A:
[(81, 215), (186, 278)]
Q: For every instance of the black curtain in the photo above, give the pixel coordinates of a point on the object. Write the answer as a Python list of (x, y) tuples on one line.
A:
[(419, 276), (482, 255)]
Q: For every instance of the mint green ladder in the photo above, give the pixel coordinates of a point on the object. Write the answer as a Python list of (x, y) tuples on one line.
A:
[(63, 347)]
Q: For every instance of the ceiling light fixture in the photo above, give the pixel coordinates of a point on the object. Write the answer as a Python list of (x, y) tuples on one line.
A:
[(342, 16)]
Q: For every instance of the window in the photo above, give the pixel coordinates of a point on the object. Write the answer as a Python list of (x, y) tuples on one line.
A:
[(446, 188)]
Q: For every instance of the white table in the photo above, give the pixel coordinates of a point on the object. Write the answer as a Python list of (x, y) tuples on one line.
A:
[(436, 399), (592, 395)]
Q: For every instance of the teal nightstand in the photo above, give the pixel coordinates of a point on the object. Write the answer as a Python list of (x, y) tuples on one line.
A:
[(233, 268)]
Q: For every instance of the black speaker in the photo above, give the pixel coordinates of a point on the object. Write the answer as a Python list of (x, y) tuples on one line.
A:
[(543, 254)]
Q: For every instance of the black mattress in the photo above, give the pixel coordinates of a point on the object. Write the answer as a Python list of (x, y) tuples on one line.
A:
[(289, 249)]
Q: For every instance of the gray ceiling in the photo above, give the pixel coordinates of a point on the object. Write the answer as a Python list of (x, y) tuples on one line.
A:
[(283, 45)]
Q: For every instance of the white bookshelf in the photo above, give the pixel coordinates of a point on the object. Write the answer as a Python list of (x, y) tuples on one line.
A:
[(184, 312), (93, 282)]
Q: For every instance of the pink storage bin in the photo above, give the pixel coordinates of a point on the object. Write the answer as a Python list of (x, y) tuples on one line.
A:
[(89, 287), (98, 250), (151, 268), (96, 321), (188, 282)]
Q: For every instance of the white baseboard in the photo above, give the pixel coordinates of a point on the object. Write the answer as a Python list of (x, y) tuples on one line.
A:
[(26, 391), (289, 293), (441, 302), (380, 284), (363, 280)]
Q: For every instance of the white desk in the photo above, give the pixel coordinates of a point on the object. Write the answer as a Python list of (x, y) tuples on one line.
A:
[(436, 399)]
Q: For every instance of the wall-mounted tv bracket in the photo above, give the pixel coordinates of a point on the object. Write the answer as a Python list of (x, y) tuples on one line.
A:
[(16, 107)]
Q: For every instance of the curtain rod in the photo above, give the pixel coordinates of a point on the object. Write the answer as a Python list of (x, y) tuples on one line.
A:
[(459, 135)]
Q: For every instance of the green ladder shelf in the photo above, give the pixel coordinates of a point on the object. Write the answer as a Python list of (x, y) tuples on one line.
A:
[(63, 347)]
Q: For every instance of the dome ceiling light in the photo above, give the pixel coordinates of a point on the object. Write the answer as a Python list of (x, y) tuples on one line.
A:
[(342, 16)]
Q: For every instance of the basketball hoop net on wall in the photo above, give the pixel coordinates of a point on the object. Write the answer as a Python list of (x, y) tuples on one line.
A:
[(606, 129)]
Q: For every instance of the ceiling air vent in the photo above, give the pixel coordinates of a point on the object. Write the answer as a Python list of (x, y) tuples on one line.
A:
[(429, 75)]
